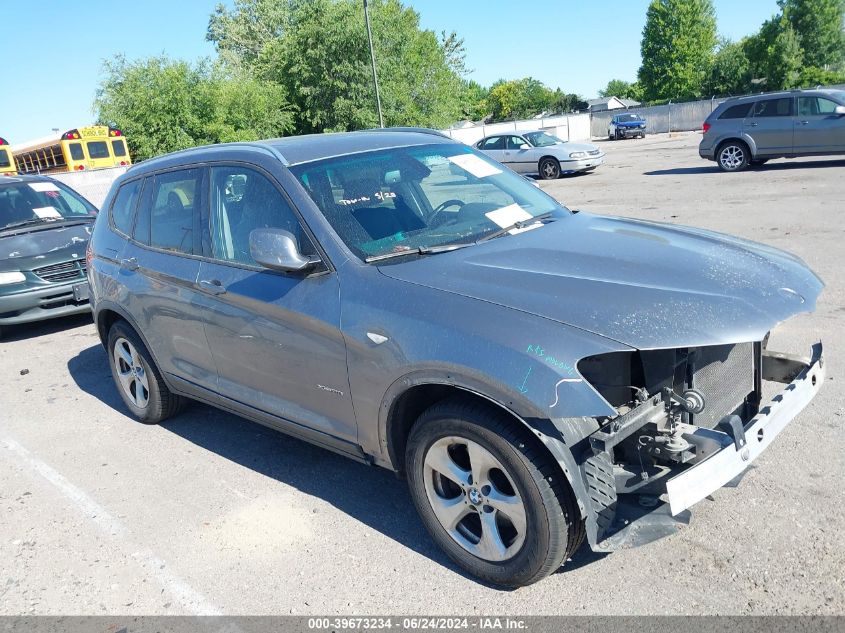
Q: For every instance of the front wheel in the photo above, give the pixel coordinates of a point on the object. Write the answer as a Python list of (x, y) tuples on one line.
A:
[(495, 502), (549, 169), (733, 156)]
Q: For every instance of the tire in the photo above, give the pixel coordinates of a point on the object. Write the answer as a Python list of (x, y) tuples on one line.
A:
[(618, 135), (601, 487), (137, 378), (732, 156), (535, 525), (549, 168)]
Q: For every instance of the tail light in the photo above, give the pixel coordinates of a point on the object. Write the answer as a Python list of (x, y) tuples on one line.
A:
[(80, 167), (123, 162), (705, 127)]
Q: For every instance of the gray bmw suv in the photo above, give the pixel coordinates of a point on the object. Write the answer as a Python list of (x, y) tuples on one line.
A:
[(751, 130), (539, 376)]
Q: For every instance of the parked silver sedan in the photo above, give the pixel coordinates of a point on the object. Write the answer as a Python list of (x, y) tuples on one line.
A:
[(538, 152)]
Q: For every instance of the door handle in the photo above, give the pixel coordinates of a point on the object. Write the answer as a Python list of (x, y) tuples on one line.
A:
[(804, 122), (212, 286), (129, 264), (753, 124)]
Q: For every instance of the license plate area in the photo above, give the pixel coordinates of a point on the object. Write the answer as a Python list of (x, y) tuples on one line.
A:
[(81, 292)]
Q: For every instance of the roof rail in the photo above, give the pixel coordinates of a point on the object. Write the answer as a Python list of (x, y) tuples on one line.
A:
[(421, 130), (255, 145)]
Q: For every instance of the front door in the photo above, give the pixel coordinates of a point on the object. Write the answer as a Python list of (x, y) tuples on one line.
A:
[(275, 337), (770, 125), (519, 159), (818, 129)]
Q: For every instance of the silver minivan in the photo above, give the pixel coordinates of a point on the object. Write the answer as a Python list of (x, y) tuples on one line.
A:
[(751, 130)]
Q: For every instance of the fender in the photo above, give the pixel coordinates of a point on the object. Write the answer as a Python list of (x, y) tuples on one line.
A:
[(564, 438), (118, 309)]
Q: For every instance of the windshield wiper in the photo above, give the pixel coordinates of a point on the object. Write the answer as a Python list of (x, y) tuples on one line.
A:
[(420, 250), (33, 221), (519, 224)]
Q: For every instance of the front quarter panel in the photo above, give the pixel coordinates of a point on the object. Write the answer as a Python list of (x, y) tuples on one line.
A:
[(524, 363)]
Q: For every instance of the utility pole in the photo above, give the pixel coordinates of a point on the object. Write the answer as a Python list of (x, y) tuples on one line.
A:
[(373, 60)]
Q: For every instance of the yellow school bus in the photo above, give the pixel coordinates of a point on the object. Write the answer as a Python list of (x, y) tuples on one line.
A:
[(93, 147), (7, 163)]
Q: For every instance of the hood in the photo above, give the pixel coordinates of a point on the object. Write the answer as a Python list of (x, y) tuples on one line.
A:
[(568, 147), (630, 123), (643, 284), (43, 247)]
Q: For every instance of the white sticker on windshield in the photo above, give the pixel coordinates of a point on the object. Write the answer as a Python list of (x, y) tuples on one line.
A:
[(43, 186), (474, 165), (46, 212), (507, 216)]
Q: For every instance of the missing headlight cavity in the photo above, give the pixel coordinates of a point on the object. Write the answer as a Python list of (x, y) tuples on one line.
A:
[(726, 375)]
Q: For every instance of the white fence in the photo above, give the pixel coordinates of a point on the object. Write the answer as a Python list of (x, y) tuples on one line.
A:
[(569, 127), (93, 184)]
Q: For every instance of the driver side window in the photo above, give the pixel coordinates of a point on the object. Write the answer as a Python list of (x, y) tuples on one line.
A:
[(243, 200)]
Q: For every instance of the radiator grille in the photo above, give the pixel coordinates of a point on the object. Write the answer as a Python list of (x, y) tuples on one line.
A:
[(725, 375), (66, 271)]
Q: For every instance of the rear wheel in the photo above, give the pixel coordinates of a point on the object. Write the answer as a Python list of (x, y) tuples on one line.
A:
[(138, 380), (733, 156), (495, 502), (549, 168)]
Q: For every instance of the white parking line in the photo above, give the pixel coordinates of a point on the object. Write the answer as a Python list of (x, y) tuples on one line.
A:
[(183, 593)]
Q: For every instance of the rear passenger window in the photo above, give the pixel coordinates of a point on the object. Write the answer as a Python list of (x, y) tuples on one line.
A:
[(172, 202), (123, 207), (76, 152), (773, 107), (118, 147), (736, 112), (495, 142)]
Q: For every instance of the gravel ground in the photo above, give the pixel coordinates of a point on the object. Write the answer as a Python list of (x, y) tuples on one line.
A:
[(209, 513)]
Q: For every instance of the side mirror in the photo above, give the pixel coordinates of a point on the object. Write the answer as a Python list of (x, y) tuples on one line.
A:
[(839, 110), (525, 146), (276, 249)]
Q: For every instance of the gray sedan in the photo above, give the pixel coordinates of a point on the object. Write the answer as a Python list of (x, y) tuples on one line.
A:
[(538, 152)]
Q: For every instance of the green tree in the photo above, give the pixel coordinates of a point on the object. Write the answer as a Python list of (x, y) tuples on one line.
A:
[(775, 55), (164, 105), (317, 50), (818, 28), (519, 98), (475, 103), (679, 38), (618, 88), (730, 73)]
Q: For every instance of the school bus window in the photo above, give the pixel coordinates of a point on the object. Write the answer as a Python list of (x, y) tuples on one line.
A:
[(76, 151), (98, 149), (119, 148), (4, 158)]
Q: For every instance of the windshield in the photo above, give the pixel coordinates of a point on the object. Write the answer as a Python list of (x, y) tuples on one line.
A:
[(629, 117), (542, 139), (36, 202), (420, 197)]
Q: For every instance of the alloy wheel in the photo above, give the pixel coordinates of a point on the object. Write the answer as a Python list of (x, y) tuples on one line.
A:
[(131, 373), (474, 498), (732, 157)]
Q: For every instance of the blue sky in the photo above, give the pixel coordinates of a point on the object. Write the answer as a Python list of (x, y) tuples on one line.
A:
[(577, 45)]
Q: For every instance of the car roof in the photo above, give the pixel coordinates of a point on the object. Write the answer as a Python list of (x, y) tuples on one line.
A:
[(292, 150), (780, 93), (8, 180)]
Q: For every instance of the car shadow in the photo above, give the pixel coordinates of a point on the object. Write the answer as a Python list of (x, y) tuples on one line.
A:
[(26, 331), (781, 166), (372, 495)]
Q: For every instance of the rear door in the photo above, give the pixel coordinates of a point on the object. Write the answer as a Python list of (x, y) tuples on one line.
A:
[(817, 128), (275, 337), (494, 147), (159, 269), (770, 125)]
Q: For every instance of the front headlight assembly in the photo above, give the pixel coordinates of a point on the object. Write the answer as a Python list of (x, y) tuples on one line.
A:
[(13, 277), (577, 154)]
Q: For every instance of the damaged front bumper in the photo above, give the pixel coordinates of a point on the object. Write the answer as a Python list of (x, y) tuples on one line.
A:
[(804, 379)]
